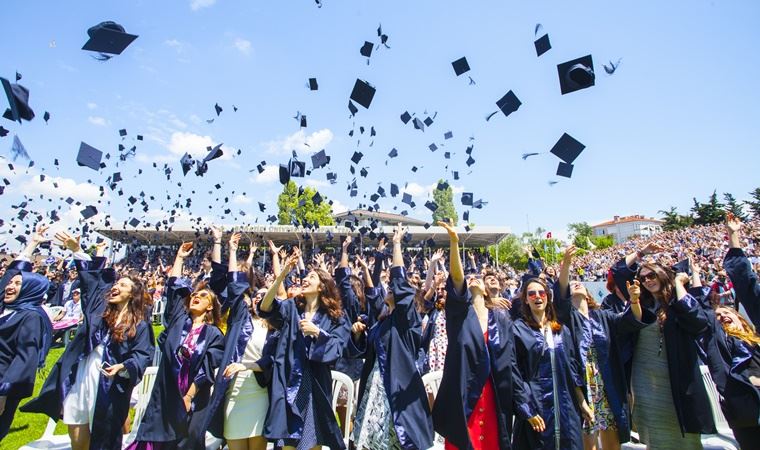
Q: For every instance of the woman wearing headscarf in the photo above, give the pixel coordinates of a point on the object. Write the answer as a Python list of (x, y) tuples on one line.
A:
[(25, 331)]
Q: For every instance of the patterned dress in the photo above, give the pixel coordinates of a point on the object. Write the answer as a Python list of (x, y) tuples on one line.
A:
[(374, 423), (438, 344), (604, 419)]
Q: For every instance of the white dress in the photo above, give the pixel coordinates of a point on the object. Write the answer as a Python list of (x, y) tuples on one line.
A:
[(246, 401), (79, 404)]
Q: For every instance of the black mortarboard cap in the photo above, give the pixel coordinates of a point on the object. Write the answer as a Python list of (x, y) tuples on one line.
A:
[(108, 37), (187, 163), (418, 124), (442, 186), (394, 190), (313, 84), (317, 199), (133, 222), (461, 66), (509, 103), (576, 74), (467, 198), (18, 100), (262, 207), (456, 175), (123, 132), (406, 198), (433, 147), (46, 116), (352, 108), (406, 117), (303, 121), (567, 148), (393, 153), (448, 135), (542, 45), (297, 168), (319, 159), (428, 121), (682, 267), (362, 93), (470, 161), (3, 132), (466, 216), (431, 205), (214, 153), (89, 211), (564, 169), (366, 49), (363, 172), (89, 156), (357, 156), (284, 174)]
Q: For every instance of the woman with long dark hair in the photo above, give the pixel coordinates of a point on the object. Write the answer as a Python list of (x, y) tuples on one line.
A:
[(25, 331), (594, 333), (313, 333), (547, 362), (670, 404), (92, 381), (393, 411), (191, 350), (481, 389)]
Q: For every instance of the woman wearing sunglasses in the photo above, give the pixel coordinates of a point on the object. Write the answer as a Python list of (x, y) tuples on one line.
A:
[(671, 407), (191, 350), (481, 389), (594, 333), (91, 383)]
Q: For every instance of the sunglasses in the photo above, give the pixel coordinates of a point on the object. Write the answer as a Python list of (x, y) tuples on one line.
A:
[(201, 294), (535, 294), (651, 276)]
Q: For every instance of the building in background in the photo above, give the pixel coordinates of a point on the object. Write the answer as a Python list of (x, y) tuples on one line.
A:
[(626, 227)]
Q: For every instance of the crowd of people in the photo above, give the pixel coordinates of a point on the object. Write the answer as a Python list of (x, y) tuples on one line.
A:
[(527, 360)]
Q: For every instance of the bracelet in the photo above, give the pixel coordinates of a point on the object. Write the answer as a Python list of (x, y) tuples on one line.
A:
[(217, 242)]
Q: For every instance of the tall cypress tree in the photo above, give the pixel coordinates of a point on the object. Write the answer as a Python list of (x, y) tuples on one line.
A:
[(444, 198)]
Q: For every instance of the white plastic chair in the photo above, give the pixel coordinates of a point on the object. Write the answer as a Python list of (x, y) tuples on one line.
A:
[(144, 388), (725, 437), (432, 381), (50, 440), (341, 380), (158, 311)]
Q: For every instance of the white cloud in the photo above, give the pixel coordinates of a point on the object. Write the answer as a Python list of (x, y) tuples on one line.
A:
[(195, 119), (195, 144), (241, 199), (176, 45), (315, 183), (243, 46), (92, 105), (417, 190), (177, 122), (300, 142), (338, 207), (97, 120), (269, 175), (66, 187), (195, 5)]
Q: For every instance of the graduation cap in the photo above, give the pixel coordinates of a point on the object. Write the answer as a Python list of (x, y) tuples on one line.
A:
[(133, 222), (313, 84), (467, 198), (406, 198), (567, 148), (460, 66), (319, 159), (297, 168), (564, 169), (509, 103), (442, 186), (366, 49), (262, 207), (218, 109), (466, 216), (418, 124), (448, 135), (455, 174), (303, 121), (18, 100), (406, 117), (431, 205), (123, 132), (3, 132), (187, 162), (393, 153), (18, 149), (46, 116), (357, 156), (108, 37), (89, 156), (542, 45), (284, 174), (316, 198), (362, 93), (576, 74), (213, 153), (433, 147), (470, 161), (682, 267), (88, 212)]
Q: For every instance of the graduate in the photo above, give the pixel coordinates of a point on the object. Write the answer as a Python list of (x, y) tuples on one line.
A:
[(595, 332), (191, 350), (739, 270), (481, 385), (91, 383), (25, 331), (393, 410), (313, 333), (238, 407), (547, 362)]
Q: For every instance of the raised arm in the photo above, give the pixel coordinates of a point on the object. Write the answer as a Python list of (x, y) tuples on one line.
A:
[(432, 269), (398, 255), (177, 288), (274, 250), (290, 263), (564, 271), (368, 283), (252, 247), (37, 238), (636, 257), (377, 270), (216, 251), (739, 270), (344, 252), (456, 272), (232, 258), (179, 261)]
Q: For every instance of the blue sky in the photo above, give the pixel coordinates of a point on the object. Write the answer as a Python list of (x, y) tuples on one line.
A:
[(677, 120)]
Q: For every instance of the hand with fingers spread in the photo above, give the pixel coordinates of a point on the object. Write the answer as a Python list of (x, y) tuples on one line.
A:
[(235, 241), (217, 232), (292, 260), (273, 248), (651, 248), (570, 252), (634, 291), (437, 256), (67, 241), (232, 369), (398, 233), (39, 234), (100, 248), (453, 236), (184, 250)]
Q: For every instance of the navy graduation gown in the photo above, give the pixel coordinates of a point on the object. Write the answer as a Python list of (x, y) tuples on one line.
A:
[(530, 349), (166, 418), (745, 281), (470, 361), (292, 351), (394, 341), (349, 364), (112, 402)]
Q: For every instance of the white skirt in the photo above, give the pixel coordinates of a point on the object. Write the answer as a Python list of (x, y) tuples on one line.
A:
[(79, 404), (245, 407)]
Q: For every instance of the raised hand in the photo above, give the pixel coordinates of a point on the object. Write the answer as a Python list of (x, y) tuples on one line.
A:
[(39, 234), (100, 248), (346, 243), (634, 290), (453, 236), (381, 244), (398, 233), (437, 255), (359, 260), (68, 241), (569, 254), (733, 224), (235, 241), (184, 250), (273, 248), (652, 248), (682, 279), (292, 260), (217, 232)]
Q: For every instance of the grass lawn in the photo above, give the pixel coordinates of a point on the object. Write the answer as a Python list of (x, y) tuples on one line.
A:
[(26, 426)]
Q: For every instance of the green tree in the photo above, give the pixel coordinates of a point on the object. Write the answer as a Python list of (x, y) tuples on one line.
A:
[(734, 207), (444, 198), (510, 251), (675, 221), (708, 213), (298, 205), (754, 204), (581, 234), (602, 242)]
